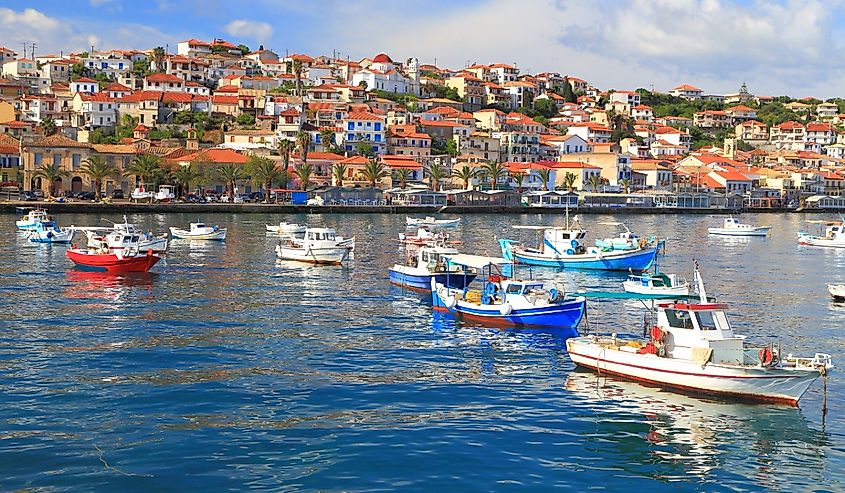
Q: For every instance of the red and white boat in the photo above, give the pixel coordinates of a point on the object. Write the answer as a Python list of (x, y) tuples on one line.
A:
[(121, 258), (692, 347)]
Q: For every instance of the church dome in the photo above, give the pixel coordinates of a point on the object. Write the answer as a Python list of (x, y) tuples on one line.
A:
[(382, 58)]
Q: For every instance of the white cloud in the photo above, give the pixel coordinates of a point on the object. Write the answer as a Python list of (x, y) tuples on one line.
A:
[(259, 31)]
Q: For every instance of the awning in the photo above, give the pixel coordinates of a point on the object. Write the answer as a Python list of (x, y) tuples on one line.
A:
[(476, 261)]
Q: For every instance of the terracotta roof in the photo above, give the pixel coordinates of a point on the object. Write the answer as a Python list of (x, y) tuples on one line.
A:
[(164, 78), (325, 156), (216, 156), (58, 140), (362, 115), (115, 149), (86, 80), (686, 87), (217, 99), (382, 58)]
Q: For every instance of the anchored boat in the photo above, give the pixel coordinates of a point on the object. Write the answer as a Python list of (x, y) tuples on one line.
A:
[(50, 234), (834, 235), (503, 300), (125, 258), (318, 246), (427, 263), (101, 237), (837, 291), (732, 227), (33, 218), (199, 231), (657, 282), (284, 228), (692, 347), (432, 222)]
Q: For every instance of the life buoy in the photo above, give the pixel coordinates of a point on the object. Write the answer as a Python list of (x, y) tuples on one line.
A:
[(570, 251), (486, 299), (490, 288), (574, 243), (766, 356), (505, 309), (450, 301)]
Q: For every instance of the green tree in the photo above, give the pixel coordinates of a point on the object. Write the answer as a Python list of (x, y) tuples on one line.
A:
[(365, 149), (141, 68), (303, 142), (402, 175), (303, 172), (264, 171), (285, 148), (296, 68), (545, 107), (451, 147), (436, 174), (493, 170), (146, 167), (244, 49), (339, 173), (245, 120), (625, 183), (569, 180), (594, 182), (97, 170), (231, 174), (50, 173), (465, 174), (545, 175), (518, 177), (327, 139), (158, 58), (568, 94), (374, 171), (184, 176), (48, 127)]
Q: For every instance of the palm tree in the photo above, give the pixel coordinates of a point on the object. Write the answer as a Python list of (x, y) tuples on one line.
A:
[(184, 176), (50, 173), (465, 174), (544, 174), (493, 170), (147, 167), (625, 183), (97, 170), (48, 127), (374, 171), (594, 182), (285, 148), (296, 67), (402, 175), (569, 180), (264, 171), (231, 173), (339, 173), (158, 58), (327, 139), (303, 172), (303, 140), (518, 177), (437, 173)]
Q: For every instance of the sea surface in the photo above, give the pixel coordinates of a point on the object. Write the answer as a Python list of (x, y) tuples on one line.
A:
[(226, 370)]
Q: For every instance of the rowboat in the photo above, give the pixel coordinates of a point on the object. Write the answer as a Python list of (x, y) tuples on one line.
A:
[(427, 263), (432, 222), (423, 236), (318, 246), (503, 300), (834, 235), (692, 347), (732, 227), (199, 231)]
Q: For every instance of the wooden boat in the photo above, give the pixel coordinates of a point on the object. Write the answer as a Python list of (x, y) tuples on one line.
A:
[(126, 258), (732, 227), (657, 283), (427, 263), (284, 228), (199, 231), (33, 218), (432, 222), (503, 300), (837, 291), (692, 347), (100, 237), (318, 246), (834, 235), (423, 236)]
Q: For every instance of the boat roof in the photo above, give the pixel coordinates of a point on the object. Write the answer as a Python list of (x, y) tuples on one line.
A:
[(319, 230), (695, 306), (476, 261), (635, 296)]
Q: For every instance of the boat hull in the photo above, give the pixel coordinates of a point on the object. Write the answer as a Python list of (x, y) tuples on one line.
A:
[(218, 235), (319, 256), (566, 315), (30, 225), (754, 383), (638, 288), (805, 239), (422, 281), (637, 260), (837, 291), (761, 231), (111, 263)]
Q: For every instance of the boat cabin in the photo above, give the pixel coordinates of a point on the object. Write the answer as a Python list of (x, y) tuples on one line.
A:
[(320, 234), (560, 238), (433, 258), (834, 230), (699, 331)]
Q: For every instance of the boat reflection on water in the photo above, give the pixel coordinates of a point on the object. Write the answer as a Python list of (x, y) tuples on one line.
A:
[(103, 285), (698, 436), (541, 337)]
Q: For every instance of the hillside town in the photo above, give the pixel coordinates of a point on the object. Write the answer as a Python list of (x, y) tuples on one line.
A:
[(214, 119)]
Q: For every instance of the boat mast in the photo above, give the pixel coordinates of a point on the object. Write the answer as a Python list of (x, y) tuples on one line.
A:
[(702, 294)]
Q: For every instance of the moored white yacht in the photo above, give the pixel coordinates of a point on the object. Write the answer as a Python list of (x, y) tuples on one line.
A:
[(732, 227), (318, 246), (199, 231)]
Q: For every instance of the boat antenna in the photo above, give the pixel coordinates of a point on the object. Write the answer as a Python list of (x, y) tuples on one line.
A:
[(702, 294)]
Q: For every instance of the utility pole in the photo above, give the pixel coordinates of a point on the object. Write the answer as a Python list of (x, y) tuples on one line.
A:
[(24, 49), (33, 51)]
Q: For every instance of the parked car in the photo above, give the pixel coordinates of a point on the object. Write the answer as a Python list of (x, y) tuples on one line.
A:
[(256, 196), (85, 196), (193, 198), (211, 197), (244, 197), (117, 194), (28, 196), (39, 194)]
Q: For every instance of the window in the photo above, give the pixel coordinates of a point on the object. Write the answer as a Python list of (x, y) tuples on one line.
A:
[(77, 160), (57, 159), (38, 158), (377, 126), (679, 319), (351, 126)]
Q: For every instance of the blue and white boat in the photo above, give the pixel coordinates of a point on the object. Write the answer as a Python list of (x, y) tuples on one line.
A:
[(502, 300), (33, 218), (427, 263), (50, 234), (563, 247)]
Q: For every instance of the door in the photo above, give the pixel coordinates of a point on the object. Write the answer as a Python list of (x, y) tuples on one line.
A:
[(76, 185)]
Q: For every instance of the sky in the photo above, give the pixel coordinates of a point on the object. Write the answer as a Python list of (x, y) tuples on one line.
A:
[(777, 47)]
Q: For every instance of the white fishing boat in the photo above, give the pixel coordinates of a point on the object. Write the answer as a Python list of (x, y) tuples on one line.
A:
[(32, 218), (112, 238), (625, 240), (141, 193), (318, 246), (50, 234), (199, 231), (432, 222), (423, 236), (656, 283), (284, 228), (837, 291), (166, 193), (732, 227), (834, 235), (692, 347), (427, 263)]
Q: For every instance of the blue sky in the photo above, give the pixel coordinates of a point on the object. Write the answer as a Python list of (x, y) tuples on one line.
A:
[(778, 47)]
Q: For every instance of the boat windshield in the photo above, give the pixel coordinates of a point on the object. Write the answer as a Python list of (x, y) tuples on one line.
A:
[(513, 288), (679, 319), (706, 321)]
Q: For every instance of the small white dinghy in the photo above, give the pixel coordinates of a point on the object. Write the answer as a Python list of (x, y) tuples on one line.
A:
[(733, 227), (284, 228), (837, 291), (432, 222), (199, 231), (318, 246)]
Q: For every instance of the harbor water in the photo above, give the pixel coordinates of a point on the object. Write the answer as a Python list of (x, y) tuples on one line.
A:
[(226, 370)]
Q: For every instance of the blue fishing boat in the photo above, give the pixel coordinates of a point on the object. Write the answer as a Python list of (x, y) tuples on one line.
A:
[(32, 218), (50, 234), (508, 301), (563, 247), (427, 263)]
